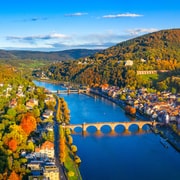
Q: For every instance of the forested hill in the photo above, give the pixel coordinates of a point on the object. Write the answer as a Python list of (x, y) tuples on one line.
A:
[(52, 56), (160, 51), (164, 44)]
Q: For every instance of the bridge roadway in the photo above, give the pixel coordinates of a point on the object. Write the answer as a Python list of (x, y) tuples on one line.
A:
[(112, 125), (69, 91)]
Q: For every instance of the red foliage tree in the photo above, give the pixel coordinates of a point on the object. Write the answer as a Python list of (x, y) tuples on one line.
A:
[(28, 123), (12, 144), (14, 176)]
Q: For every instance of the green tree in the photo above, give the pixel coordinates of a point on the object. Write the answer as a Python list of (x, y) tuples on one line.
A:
[(11, 114), (36, 112), (3, 161)]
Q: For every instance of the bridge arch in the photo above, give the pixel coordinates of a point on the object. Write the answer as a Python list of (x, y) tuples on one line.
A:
[(112, 125), (119, 128), (106, 128), (91, 129)]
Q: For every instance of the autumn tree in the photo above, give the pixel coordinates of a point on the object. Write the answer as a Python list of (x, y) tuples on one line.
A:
[(74, 149), (12, 144), (70, 139), (15, 139), (77, 160), (13, 176), (28, 123), (62, 144)]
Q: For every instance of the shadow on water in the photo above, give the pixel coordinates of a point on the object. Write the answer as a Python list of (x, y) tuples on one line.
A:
[(112, 133)]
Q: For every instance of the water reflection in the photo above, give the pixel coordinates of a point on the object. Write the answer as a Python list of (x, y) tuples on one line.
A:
[(123, 154), (112, 133)]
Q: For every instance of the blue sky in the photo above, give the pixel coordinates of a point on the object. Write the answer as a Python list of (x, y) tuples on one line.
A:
[(52, 25)]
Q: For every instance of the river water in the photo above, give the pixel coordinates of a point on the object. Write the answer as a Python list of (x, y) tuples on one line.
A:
[(120, 155)]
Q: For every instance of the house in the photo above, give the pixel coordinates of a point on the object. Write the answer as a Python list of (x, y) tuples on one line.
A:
[(35, 165), (129, 63), (49, 98), (20, 94), (13, 103), (51, 171), (46, 150), (31, 103), (50, 127), (47, 113), (9, 88), (30, 89), (20, 88), (104, 87), (36, 170)]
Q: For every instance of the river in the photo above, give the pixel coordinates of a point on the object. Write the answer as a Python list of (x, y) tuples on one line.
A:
[(119, 156)]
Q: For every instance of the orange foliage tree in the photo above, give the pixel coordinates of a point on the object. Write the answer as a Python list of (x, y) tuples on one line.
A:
[(14, 176), (28, 123), (62, 144), (12, 144)]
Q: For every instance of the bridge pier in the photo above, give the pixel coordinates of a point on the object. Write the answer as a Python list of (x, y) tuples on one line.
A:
[(112, 133), (84, 127), (68, 91), (126, 132), (98, 133), (126, 127)]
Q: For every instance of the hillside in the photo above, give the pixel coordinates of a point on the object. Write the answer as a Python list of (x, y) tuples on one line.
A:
[(160, 49), (51, 56), (164, 44)]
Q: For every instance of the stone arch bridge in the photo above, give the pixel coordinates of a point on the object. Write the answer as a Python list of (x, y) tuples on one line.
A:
[(112, 125)]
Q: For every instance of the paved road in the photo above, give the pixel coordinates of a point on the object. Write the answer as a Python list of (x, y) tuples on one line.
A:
[(62, 175)]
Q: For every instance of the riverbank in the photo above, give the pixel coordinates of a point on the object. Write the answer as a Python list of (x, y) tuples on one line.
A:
[(49, 81), (98, 151), (170, 136), (165, 131)]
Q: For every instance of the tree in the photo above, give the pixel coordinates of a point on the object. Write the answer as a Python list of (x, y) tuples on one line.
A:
[(11, 112), (3, 161), (77, 160), (74, 148), (70, 173), (28, 123), (62, 144), (13, 176), (15, 138), (36, 112), (162, 86), (173, 90), (12, 144), (30, 146), (70, 139)]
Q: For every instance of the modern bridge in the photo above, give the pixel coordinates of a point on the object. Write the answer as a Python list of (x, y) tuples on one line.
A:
[(112, 125)]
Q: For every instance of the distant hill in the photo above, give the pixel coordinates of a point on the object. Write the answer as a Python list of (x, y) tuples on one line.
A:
[(161, 50), (164, 44), (51, 56)]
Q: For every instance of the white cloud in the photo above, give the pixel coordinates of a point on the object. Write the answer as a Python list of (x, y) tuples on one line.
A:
[(142, 30), (57, 41), (38, 37), (75, 14), (122, 15)]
